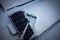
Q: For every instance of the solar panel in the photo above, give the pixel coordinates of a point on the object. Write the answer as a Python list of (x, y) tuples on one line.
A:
[(19, 20), (29, 32)]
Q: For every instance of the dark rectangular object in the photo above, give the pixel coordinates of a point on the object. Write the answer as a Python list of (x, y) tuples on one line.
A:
[(29, 32), (19, 20)]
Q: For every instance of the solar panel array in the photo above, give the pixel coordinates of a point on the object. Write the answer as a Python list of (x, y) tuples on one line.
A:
[(20, 22)]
